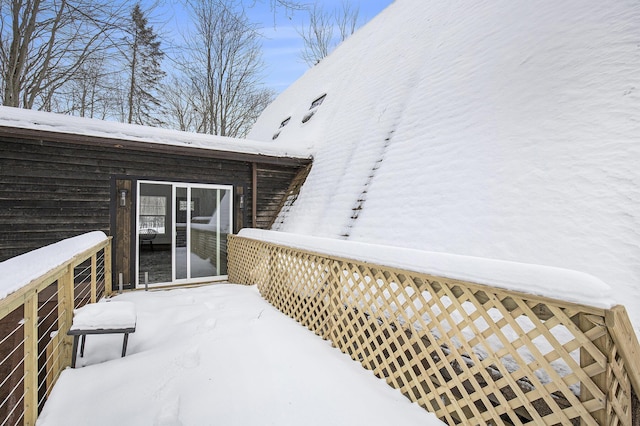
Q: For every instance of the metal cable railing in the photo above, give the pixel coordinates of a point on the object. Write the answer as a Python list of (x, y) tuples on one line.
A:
[(34, 321), (11, 369)]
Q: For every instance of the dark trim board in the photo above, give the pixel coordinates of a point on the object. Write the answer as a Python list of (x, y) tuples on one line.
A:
[(56, 189), (129, 145)]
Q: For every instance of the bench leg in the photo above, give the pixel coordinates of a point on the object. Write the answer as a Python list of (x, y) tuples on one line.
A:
[(84, 336), (74, 351), (124, 344)]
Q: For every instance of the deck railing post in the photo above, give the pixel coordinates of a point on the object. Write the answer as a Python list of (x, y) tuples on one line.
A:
[(31, 358), (25, 403), (108, 288), (65, 316), (403, 326), (94, 277), (600, 378)]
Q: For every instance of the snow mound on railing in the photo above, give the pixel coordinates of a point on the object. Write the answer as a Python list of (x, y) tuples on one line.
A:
[(552, 282), (19, 271)]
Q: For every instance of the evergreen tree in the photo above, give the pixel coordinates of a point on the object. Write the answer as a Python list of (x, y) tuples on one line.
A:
[(145, 71)]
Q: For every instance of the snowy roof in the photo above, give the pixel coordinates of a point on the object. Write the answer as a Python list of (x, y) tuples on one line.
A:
[(506, 129), (69, 125)]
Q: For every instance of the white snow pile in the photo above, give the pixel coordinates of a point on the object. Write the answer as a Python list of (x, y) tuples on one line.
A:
[(221, 355), (504, 129), (105, 315), (563, 284), (19, 271), (44, 121)]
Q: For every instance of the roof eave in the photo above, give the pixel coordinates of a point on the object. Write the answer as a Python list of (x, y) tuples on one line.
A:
[(147, 146)]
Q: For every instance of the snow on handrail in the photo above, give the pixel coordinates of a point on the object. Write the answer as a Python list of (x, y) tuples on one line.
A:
[(556, 283), (69, 274), (464, 350), (19, 271)]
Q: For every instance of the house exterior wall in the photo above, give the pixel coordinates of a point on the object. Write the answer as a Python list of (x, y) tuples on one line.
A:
[(51, 190), (271, 192)]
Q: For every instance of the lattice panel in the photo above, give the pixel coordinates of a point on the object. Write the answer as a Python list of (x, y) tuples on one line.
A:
[(472, 354)]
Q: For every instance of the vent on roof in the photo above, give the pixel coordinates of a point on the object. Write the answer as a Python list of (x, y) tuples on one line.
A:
[(285, 122), (308, 116), (275, 136), (318, 101), (314, 107)]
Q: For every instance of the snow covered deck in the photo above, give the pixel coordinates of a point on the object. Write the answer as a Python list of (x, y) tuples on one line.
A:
[(465, 350), (437, 328), (221, 355)]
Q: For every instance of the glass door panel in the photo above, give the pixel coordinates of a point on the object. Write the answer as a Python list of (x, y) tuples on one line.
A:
[(154, 233), (209, 227), (225, 227), (183, 215), (204, 232), (182, 232)]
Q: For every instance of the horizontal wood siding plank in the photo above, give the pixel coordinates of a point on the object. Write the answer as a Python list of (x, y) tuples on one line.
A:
[(123, 145), (51, 190), (273, 182)]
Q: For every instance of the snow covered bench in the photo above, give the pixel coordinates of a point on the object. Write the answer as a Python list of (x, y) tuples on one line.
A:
[(102, 318)]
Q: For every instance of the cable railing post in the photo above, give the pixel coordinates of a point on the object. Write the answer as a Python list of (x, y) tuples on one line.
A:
[(65, 316), (31, 358), (107, 269), (32, 386), (94, 273)]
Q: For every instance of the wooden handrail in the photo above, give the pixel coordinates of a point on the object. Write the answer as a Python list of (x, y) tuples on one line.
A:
[(17, 298), (468, 352), (58, 349)]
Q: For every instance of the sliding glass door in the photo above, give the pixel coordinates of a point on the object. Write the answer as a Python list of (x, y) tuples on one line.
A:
[(182, 232)]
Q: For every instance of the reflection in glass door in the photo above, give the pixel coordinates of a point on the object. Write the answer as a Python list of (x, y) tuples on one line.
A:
[(209, 226), (182, 217), (154, 233), (192, 222)]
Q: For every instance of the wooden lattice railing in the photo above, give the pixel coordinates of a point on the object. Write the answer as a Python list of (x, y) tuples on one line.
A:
[(34, 320), (470, 353)]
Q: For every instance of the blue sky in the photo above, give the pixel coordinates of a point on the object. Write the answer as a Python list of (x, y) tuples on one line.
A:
[(282, 43)]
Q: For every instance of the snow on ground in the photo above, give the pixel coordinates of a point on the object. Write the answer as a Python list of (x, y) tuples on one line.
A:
[(503, 130), (545, 281), (221, 355), (37, 120), (19, 271)]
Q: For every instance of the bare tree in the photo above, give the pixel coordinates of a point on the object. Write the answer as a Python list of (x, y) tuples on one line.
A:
[(326, 30), (347, 20), (43, 44), (225, 69), (180, 109), (89, 91)]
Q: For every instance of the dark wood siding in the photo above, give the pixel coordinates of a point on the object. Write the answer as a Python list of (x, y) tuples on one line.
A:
[(54, 190), (273, 183)]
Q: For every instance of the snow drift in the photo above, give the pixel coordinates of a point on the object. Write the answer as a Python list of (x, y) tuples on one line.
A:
[(503, 129)]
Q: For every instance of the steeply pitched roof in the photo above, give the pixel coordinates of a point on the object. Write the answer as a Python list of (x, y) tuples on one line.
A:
[(501, 129)]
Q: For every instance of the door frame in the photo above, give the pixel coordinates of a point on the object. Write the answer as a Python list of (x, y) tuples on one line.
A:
[(136, 224), (121, 225)]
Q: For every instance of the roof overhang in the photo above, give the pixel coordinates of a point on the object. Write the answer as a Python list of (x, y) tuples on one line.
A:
[(146, 146)]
